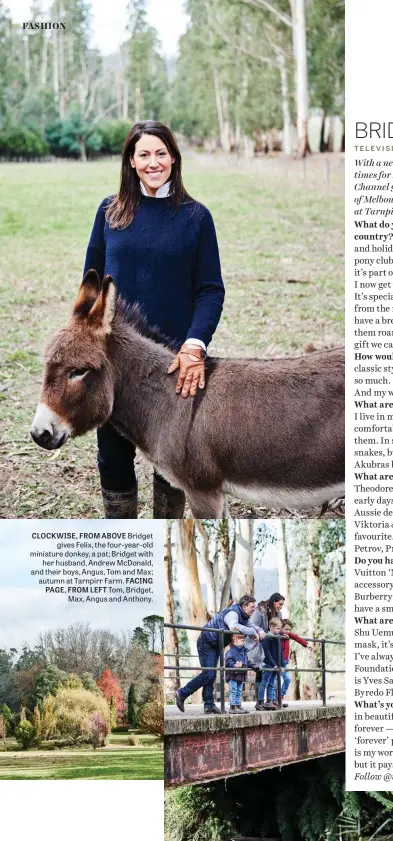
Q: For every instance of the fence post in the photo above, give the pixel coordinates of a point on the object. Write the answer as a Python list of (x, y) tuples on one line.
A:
[(222, 675), (323, 666), (279, 695)]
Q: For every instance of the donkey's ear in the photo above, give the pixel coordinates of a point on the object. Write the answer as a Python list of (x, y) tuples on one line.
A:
[(88, 293), (101, 314)]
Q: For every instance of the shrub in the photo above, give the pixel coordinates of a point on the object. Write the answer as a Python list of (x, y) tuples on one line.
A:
[(8, 718), (151, 719), (99, 730), (25, 734), (113, 134), (21, 142), (68, 713)]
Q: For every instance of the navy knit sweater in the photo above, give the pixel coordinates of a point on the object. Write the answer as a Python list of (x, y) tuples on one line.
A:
[(168, 262), (272, 651)]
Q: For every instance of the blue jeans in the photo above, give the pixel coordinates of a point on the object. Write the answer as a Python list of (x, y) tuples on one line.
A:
[(268, 684), (285, 681), (208, 656), (235, 693)]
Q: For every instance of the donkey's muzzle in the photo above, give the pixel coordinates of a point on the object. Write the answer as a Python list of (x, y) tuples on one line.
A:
[(47, 441), (48, 430)]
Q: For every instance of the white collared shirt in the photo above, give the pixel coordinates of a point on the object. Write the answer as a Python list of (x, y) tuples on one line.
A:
[(162, 193)]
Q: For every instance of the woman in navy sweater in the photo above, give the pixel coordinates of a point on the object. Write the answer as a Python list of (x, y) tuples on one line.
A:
[(160, 246)]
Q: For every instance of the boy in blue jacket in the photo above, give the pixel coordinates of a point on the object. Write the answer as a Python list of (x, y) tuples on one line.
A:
[(273, 658), (236, 665)]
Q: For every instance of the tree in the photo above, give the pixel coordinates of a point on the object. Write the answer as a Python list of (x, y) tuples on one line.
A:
[(192, 605), (25, 734), (8, 719), (37, 726), (48, 682), (151, 718), (132, 707), (3, 728), (140, 638), (154, 628), (171, 642), (110, 688), (146, 69), (243, 570)]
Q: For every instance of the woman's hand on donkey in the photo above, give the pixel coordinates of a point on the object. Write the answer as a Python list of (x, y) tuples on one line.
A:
[(191, 362)]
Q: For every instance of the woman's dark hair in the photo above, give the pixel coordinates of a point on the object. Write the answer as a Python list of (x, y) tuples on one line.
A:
[(270, 610), (124, 204)]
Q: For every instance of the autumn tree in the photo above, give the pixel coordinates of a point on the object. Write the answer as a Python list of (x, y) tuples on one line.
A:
[(110, 688)]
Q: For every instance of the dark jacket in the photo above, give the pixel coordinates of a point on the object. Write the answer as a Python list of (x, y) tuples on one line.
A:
[(233, 655), (255, 648), (272, 651)]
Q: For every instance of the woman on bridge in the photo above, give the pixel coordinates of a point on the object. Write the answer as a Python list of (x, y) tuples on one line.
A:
[(160, 246)]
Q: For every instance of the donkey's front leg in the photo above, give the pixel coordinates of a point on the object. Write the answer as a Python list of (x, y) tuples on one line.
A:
[(206, 505)]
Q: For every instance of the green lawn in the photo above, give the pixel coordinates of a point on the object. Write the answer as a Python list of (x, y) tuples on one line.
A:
[(115, 762), (281, 243)]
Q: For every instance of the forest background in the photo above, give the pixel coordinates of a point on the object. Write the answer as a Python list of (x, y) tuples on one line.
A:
[(245, 70)]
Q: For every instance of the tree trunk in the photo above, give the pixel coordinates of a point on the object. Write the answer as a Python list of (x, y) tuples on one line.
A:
[(300, 52), (193, 610), (55, 65), (226, 590), (243, 570), (82, 143), (342, 146), (330, 137), (208, 569), (322, 147), (138, 100), (222, 112), (44, 61), (283, 565), (171, 643), (26, 48), (125, 99), (62, 83), (286, 111), (314, 607)]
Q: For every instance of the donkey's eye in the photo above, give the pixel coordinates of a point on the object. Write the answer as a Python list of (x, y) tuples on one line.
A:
[(78, 374)]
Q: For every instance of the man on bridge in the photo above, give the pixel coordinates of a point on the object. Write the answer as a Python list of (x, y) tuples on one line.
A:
[(235, 618)]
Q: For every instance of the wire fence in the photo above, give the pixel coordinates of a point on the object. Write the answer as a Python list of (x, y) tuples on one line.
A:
[(176, 667)]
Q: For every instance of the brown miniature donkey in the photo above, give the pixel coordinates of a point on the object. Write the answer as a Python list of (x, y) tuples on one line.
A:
[(267, 430)]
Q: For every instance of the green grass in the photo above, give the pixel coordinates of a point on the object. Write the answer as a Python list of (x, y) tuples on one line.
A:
[(281, 243), (117, 761), (106, 764)]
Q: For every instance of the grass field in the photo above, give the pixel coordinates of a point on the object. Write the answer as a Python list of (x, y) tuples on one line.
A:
[(282, 244), (117, 761)]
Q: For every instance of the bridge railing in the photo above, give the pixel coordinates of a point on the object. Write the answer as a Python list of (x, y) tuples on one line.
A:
[(323, 671)]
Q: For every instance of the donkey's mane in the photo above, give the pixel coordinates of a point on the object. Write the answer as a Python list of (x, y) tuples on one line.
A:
[(133, 315)]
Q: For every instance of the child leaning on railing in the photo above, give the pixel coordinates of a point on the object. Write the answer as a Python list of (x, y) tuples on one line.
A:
[(236, 665)]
